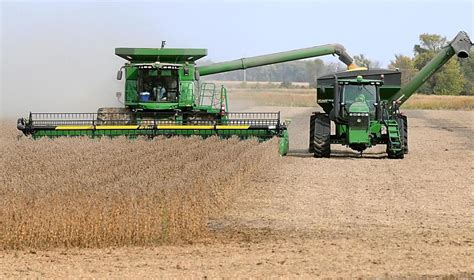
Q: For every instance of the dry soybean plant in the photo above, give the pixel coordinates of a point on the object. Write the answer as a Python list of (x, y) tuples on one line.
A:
[(81, 192)]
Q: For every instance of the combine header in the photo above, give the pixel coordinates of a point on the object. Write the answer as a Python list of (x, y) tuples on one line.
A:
[(365, 105), (163, 96)]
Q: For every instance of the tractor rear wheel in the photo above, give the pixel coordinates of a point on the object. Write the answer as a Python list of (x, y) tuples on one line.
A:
[(403, 126), (321, 136), (311, 132), (392, 154), (396, 149), (405, 133)]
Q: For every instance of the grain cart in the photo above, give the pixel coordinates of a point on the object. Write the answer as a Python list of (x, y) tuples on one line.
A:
[(364, 105), (163, 96)]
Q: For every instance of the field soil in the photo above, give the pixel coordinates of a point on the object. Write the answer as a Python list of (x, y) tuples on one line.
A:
[(340, 217)]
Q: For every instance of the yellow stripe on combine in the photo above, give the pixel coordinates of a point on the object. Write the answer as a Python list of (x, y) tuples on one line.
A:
[(185, 127), (232, 126), (116, 127), (203, 127), (122, 127), (73, 127), (90, 127)]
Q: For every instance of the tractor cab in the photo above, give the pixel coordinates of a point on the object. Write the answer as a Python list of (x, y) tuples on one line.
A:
[(357, 97), (357, 104)]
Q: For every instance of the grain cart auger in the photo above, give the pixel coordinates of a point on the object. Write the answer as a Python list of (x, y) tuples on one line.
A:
[(163, 96), (364, 105)]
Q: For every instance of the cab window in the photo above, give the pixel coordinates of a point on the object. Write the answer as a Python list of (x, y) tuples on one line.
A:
[(359, 93), (157, 85)]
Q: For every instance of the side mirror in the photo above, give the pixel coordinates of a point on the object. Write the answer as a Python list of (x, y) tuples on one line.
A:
[(119, 74)]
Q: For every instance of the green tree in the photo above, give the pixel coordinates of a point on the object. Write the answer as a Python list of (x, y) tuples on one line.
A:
[(406, 65), (467, 68), (363, 61), (314, 69), (449, 79)]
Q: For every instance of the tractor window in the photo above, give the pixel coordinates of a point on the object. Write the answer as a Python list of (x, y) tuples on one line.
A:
[(157, 85), (360, 93)]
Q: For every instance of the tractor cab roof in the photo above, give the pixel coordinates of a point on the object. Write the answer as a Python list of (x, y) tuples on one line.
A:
[(390, 77), (144, 55), (359, 81)]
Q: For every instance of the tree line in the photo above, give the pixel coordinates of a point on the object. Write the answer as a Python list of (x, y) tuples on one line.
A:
[(456, 77)]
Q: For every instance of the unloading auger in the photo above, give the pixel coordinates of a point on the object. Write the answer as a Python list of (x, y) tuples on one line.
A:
[(164, 96)]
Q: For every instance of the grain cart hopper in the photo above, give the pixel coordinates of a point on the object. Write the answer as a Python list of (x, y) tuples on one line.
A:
[(364, 105), (163, 96)]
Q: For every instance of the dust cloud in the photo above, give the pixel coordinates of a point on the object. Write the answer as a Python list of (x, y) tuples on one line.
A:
[(57, 58)]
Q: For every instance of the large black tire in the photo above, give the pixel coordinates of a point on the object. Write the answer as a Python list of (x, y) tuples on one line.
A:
[(403, 125), (322, 136), (311, 133), (405, 134), (402, 129), (395, 154)]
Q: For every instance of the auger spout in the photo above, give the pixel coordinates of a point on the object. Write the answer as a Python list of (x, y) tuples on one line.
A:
[(460, 46)]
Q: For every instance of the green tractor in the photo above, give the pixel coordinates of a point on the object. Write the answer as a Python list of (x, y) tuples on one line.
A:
[(364, 105), (165, 97)]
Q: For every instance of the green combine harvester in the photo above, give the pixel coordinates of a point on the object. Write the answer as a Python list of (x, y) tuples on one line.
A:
[(365, 105), (164, 97)]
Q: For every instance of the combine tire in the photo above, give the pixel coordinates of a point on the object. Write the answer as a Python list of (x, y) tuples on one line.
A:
[(321, 140)]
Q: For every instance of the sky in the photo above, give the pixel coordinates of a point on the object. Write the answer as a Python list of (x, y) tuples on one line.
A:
[(59, 55)]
